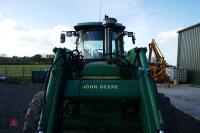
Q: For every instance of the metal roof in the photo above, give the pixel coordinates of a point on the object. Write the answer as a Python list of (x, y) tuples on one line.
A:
[(190, 27)]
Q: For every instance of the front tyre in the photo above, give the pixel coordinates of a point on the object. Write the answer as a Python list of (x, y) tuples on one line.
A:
[(33, 113)]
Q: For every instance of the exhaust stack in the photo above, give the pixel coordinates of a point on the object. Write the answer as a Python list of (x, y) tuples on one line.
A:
[(108, 24)]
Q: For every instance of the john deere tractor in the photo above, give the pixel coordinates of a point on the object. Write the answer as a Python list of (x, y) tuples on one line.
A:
[(99, 87)]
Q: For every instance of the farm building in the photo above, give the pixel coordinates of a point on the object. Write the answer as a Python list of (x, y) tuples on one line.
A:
[(189, 52)]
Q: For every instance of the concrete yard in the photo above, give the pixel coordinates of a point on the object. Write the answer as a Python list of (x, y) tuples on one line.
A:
[(184, 97)]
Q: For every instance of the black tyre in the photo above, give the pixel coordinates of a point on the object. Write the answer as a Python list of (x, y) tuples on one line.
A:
[(33, 113), (168, 114)]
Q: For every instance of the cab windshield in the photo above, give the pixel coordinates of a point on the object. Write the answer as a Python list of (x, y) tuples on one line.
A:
[(91, 44)]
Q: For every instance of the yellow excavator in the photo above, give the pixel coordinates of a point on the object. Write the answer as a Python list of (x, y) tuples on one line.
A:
[(157, 64)]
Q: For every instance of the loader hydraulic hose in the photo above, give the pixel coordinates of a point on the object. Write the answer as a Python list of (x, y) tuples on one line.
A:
[(60, 57), (121, 57), (70, 59)]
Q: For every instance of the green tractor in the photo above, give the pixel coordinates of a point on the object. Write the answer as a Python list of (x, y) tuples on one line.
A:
[(98, 87)]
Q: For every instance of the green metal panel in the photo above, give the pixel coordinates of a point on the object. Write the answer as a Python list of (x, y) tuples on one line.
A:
[(100, 69), (94, 89), (102, 96), (131, 56), (47, 121), (189, 52), (151, 117), (149, 112)]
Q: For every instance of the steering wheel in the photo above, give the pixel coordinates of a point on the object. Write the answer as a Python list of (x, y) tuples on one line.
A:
[(96, 52)]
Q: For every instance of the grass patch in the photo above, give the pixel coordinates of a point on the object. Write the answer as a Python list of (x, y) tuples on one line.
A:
[(22, 71)]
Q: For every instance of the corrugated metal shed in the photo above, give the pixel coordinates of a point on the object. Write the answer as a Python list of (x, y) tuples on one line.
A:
[(189, 52)]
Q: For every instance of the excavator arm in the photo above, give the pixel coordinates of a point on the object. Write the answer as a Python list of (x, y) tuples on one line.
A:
[(153, 47), (158, 67)]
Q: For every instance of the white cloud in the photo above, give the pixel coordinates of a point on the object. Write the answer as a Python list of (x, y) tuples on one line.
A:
[(168, 42), (16, 39)]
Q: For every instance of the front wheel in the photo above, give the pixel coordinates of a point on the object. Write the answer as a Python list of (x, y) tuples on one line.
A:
[(33, 113)]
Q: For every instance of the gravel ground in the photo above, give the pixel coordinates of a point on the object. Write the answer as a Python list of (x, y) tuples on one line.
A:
[(14, 100)]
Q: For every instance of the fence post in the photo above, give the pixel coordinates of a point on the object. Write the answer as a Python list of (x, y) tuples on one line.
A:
[(23, 69), (6, 71)]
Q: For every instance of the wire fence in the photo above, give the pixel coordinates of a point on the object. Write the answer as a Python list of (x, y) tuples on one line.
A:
[(24, 72)]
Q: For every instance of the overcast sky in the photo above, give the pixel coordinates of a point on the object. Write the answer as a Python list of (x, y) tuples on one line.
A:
[(28, 27)]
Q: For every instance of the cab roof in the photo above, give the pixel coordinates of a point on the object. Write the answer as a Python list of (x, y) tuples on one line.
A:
[(86, 25)]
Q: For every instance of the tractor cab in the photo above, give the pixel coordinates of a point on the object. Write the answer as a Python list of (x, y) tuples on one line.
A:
[(99, 40)]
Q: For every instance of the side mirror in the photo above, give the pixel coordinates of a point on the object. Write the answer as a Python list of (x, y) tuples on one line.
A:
[(69, 33), (62, 38), (130, 34), (133, 39)]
